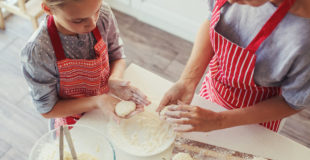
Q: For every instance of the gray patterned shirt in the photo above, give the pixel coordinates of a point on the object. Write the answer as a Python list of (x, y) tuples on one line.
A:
[(39, 62), (283, 59)]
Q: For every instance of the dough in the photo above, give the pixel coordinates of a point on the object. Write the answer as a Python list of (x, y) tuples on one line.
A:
[(82, 156), (182, 156), (123, 108)]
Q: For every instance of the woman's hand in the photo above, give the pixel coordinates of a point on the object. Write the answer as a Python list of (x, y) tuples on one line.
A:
[(180, 91), (186, 118), (127, 92)]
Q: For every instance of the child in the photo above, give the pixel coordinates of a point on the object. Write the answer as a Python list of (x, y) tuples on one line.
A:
[(74, 59), (258, 57)]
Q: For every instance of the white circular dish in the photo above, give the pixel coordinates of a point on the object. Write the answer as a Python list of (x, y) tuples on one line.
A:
[(143, 135)]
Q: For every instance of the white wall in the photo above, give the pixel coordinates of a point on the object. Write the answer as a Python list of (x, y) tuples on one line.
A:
[(179, 17)]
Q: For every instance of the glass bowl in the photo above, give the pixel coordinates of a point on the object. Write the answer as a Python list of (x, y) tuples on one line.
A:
[(88, 142)]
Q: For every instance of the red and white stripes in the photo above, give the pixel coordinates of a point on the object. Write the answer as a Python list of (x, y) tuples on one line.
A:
[(229, 81)]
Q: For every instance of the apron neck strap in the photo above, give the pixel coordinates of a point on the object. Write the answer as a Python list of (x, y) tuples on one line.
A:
[(97, 34), (220, 3), (271, 24), (55, 39)]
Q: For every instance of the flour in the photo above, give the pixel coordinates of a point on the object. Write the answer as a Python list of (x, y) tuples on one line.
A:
[(143, 134), (182, 156), (50, 152)]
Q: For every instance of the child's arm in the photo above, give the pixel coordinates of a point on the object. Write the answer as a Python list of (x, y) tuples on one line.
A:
[(202, 53), (64, 108), (117, 69), (117, 85)]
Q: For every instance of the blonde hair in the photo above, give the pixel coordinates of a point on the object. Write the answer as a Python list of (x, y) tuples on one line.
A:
[(57, 3)]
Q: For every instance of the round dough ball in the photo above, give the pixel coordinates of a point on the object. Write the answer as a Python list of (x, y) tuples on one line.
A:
[(182, 156), (124, 108)]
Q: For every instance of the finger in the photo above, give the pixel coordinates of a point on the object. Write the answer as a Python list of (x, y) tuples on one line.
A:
[(143, 100), (116, 118), (179, 114), (139, 95), (179, 120), (133, 113), (124, 83), (179, 102), (139, 107), (136, 91), (185, 108), (163, 103), (184, 128), (137, 101)]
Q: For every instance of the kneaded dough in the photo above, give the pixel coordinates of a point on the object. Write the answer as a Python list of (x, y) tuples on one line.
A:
[(182, 156), (123, 108), (82, 156)]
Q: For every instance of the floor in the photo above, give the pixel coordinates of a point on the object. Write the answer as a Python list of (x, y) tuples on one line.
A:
[(155, 50)]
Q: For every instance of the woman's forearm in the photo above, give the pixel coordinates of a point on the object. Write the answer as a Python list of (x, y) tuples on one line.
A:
[(272, 109), (117, 69), (201, 55)]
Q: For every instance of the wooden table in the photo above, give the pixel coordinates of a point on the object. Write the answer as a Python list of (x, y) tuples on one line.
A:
[(252, 139)]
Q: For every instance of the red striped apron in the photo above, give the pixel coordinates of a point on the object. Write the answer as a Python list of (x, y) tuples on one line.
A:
[(229, 81), (79, 77)]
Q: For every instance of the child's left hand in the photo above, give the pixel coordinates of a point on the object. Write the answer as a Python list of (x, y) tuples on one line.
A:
[(125, 91)]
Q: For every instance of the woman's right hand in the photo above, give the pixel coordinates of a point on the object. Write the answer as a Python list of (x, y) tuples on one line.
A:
[(180, 91)]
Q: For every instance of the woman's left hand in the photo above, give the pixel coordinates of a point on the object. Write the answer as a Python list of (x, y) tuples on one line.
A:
[(187, 118), (125, 91)]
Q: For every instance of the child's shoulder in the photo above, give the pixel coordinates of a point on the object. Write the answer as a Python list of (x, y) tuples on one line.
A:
[(105, 10), (38, 44)]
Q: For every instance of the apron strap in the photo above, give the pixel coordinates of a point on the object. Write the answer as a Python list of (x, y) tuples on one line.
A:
[(271, 24), (97, 34), (220, 3), (55, 39)]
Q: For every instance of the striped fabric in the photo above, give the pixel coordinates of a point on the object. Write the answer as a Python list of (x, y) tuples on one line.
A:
[(80, 77), (229, 81)]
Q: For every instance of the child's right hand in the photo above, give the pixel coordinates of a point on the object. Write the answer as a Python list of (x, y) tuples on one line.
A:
[(107, 104)]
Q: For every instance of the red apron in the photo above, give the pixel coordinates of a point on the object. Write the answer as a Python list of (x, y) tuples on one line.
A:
[(229, 81), (79, 77)]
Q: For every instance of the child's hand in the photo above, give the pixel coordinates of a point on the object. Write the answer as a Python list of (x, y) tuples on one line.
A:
[(107, 104), (125, 91)]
